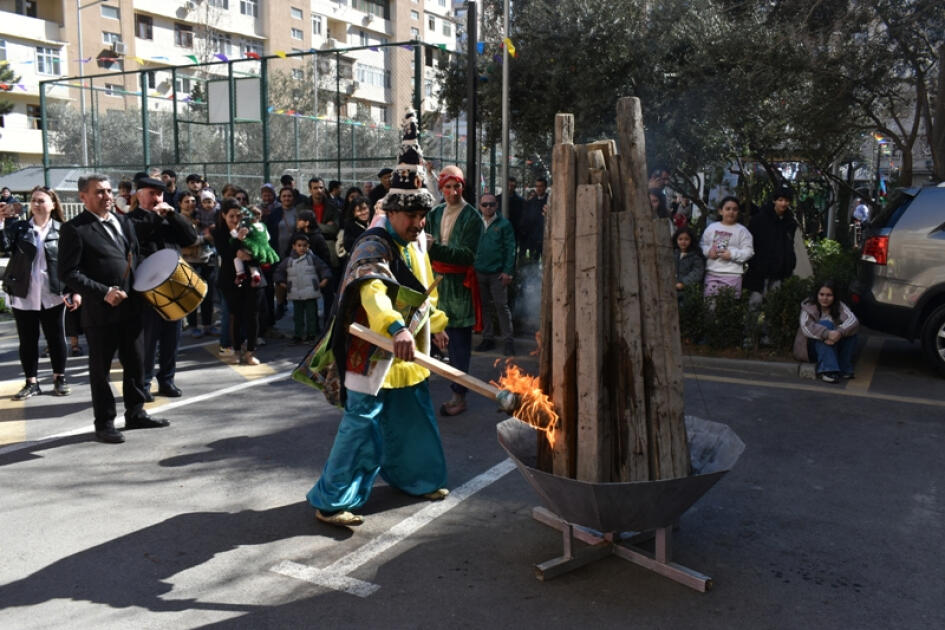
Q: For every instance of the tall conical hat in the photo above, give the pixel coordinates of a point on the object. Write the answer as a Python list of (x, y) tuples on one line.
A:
[(407, 191)]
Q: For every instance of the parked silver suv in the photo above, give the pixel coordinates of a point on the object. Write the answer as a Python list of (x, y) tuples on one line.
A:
[(900, 285)]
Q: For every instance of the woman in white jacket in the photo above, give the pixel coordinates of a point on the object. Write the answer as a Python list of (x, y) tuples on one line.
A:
[(727, 246)]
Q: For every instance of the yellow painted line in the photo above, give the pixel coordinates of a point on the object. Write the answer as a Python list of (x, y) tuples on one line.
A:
[(832, 390), (249, 372), (12, 424), (866, 366)]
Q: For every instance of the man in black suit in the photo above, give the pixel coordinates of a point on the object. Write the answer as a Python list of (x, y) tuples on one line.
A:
[(157, 227), (97, 255)]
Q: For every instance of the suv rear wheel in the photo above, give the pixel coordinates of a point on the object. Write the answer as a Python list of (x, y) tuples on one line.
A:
[(933, 338)]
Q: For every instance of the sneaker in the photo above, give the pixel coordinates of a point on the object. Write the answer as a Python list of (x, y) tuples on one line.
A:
[(29, 390), (828, 377), (225, 352), (60, 387), (197, 332), (249, 359)]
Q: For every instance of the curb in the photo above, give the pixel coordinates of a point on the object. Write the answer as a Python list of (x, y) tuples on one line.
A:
[(768, 368)]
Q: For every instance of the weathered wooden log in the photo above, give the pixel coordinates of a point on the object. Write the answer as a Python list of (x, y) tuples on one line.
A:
[(594, 439), (662, 375), (563, 341)]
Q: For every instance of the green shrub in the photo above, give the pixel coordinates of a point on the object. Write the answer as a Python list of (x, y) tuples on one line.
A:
[(831, 260), (692, 313), (782, 310), (725, 325)]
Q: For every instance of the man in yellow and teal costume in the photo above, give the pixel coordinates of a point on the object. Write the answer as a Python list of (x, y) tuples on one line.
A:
[(388, 427)]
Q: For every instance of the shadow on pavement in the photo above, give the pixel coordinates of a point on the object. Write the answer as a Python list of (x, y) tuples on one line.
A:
[(131, 570), (33, 451)]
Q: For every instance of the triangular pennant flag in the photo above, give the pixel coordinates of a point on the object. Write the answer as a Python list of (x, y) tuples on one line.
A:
[(138, 60), (221, 57), (280, 54), (480, 47), (509, 46), (193, 58), (252, 55)]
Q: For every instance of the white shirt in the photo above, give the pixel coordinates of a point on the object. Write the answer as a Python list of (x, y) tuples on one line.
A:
[(111, 220), (39, 295)]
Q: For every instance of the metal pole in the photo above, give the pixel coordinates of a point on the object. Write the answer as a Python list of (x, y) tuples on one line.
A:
[(231, 128), (417, 78), (264, 111), (295, 129), (45, 130), (176, 132), (85, 142), (145, 134), (315, 81), (338, 114), (505, 116), (471, 105)]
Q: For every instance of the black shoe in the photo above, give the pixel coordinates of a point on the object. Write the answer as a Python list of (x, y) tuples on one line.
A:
[(509, 349), (109, 435), (77, 351), (29, 390), (145, 422), (485, 346), (60, 387), (148, 396), (169, 389)]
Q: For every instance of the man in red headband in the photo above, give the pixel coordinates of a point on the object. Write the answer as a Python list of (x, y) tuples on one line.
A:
[(456, 227)]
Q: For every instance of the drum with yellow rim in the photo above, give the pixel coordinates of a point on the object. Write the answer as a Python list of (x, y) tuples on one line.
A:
[(169, 284)]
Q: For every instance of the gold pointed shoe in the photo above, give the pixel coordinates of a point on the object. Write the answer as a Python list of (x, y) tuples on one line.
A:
[(343, 518), (436, 495)]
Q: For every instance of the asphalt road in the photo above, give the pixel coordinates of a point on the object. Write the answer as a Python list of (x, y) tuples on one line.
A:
[(832, 518)]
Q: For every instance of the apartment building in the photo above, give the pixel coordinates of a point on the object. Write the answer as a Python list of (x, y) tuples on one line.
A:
[(69, 38)]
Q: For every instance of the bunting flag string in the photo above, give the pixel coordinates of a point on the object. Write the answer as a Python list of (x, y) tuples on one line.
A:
[(280, 54), (509, 46), (480, 47)]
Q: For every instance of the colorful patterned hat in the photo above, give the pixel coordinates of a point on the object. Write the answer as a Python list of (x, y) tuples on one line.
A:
[(407, 191)]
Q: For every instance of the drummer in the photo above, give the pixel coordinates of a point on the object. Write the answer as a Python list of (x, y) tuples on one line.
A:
[(158, 226)]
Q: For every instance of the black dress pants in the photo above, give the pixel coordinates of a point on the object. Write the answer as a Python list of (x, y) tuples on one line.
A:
[(126, 337), (28, 324)]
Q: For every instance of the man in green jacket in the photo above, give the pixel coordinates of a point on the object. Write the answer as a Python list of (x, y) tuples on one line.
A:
[(455, 227), (495, 264)]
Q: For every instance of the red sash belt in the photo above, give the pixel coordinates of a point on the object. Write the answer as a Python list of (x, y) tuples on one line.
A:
[(469, 282)]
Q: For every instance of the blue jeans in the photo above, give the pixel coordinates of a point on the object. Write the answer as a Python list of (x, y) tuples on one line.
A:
[(835, 358)]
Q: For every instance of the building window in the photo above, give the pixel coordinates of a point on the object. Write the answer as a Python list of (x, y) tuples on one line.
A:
[(249, 7), (26, 7), (363, 37), (220, 42), (3, 49), (47, 60), (296, 13), (316, 25), (297, 74), (252, 47), (111, 12), (184, 35), (113, 89), (447, 28), (184, 85), (110, 38), (223, 4), (380, 8), (414, 33), (379, 114), (34, 117), (297, 33), (428, 87), (442, 3), (415, 15), (144, 26), (152, 81), (372, 75)]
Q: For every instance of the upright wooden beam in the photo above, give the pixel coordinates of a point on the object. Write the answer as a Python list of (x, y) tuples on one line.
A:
[(563, 330), (669, 455), (594, 440)]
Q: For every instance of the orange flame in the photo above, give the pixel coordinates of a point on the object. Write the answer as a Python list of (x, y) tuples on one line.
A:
[(535, 408)]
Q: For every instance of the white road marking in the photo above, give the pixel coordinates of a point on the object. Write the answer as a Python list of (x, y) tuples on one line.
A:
[(336, 575), (174, 405)]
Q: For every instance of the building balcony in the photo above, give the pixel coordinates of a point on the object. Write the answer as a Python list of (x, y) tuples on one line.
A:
[(33, 29)]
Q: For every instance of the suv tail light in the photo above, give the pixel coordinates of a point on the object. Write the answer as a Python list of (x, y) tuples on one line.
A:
[(876, 250)]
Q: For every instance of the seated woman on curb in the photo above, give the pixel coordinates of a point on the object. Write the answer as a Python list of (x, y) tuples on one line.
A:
[(827, 333)]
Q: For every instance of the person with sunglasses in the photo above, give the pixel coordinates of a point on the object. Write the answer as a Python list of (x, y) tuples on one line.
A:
[(495, 266)]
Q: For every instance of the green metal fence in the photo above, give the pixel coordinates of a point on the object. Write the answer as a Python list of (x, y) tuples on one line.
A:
[(328, 113)]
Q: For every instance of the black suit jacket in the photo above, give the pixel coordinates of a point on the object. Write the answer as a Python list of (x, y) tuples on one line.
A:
[(90, 261)]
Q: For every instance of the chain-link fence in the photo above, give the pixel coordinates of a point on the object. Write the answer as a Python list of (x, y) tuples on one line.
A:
[(333, 113)]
